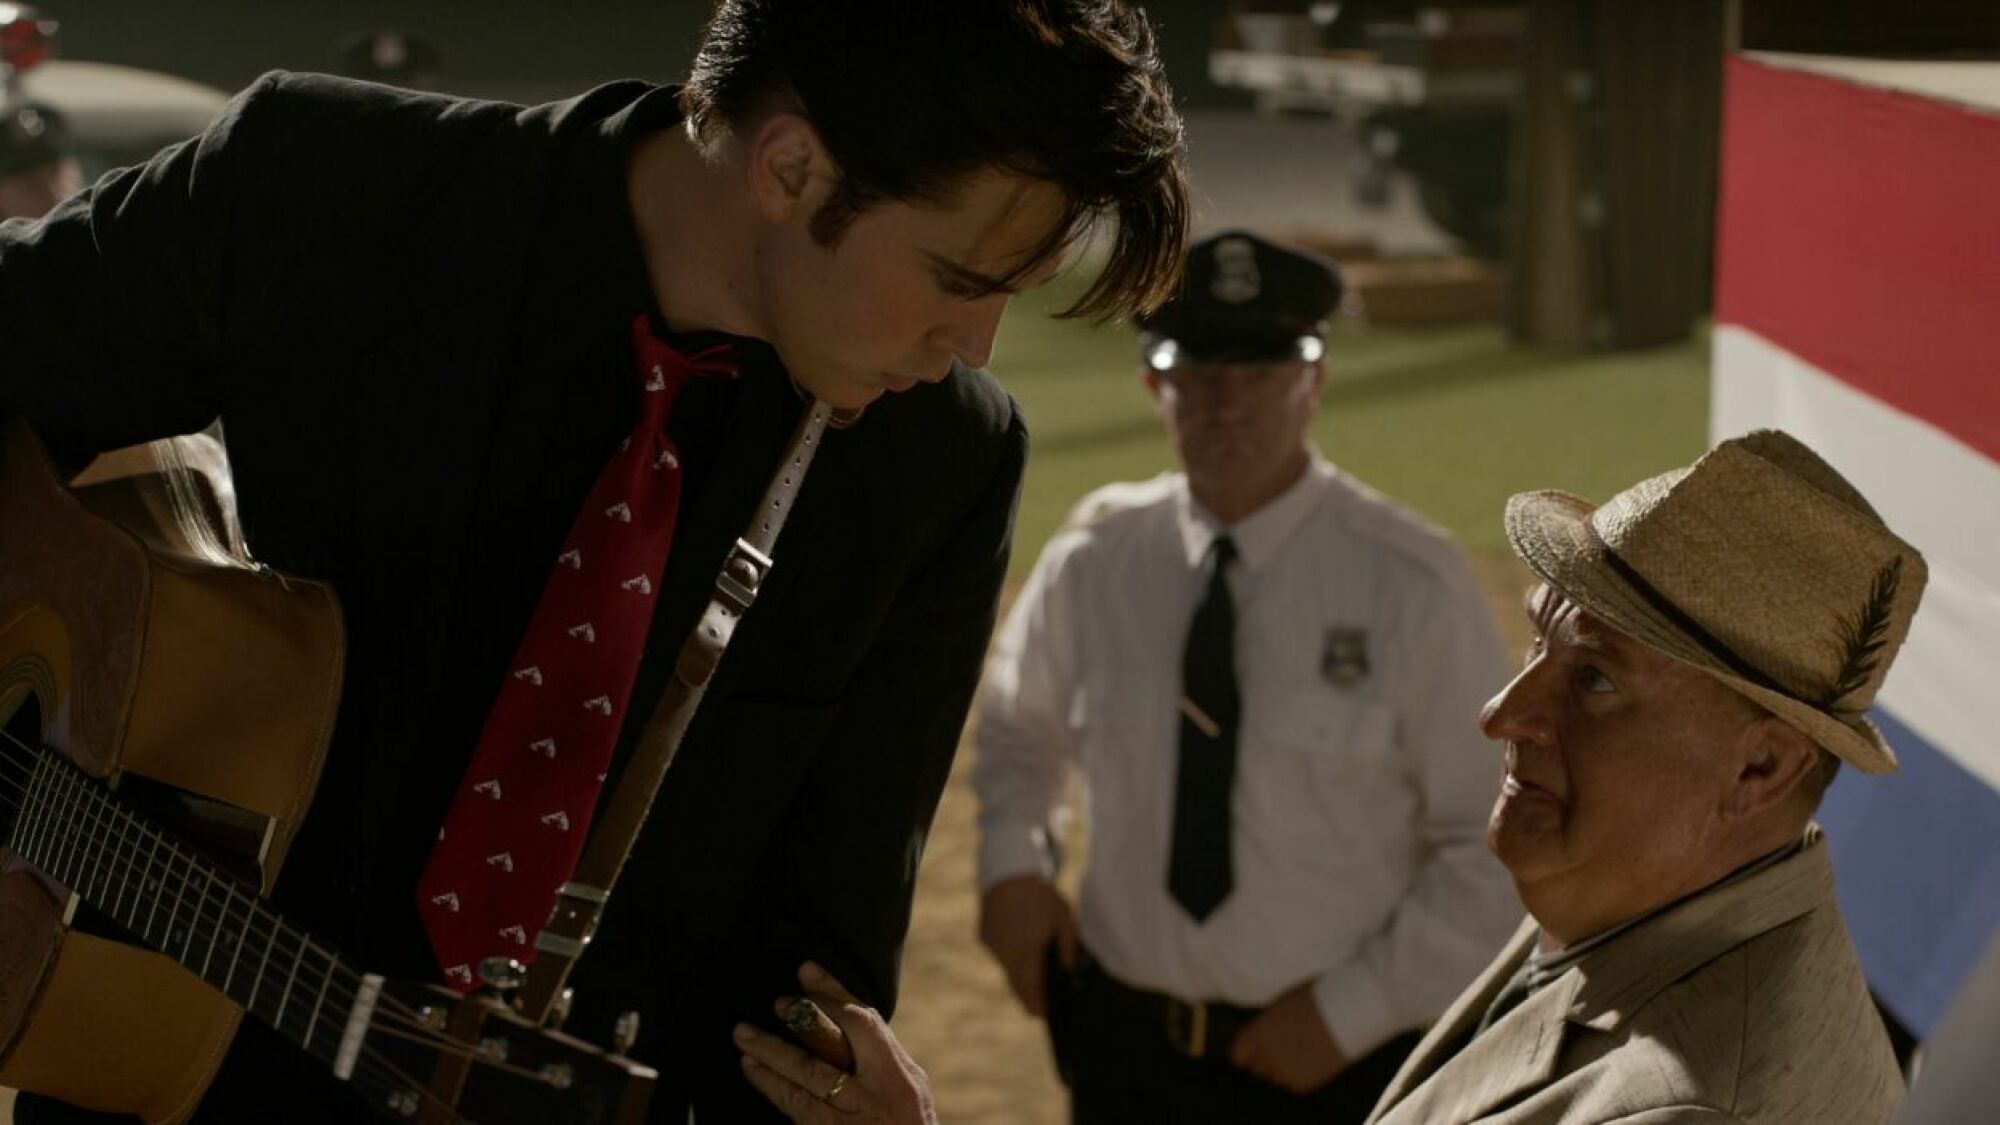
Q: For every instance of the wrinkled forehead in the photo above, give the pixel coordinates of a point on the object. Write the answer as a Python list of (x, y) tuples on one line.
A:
[(1559, 620)]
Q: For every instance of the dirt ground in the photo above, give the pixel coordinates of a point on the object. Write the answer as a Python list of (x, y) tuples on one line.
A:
[(987, 1059)]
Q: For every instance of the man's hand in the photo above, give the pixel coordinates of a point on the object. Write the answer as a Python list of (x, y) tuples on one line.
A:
[(1288, 1045), (886, 1087), (1018, 918)]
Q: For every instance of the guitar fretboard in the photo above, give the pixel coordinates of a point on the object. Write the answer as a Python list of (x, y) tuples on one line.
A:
[(177, 902)]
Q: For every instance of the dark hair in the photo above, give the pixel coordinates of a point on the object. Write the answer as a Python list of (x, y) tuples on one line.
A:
[(910, 97)]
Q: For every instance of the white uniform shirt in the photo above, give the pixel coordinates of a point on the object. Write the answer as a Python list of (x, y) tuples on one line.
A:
[(1364, 652)]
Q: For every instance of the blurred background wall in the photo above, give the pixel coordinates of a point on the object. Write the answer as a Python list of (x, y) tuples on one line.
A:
[(1523, 196), (519, 49), (514, 49)]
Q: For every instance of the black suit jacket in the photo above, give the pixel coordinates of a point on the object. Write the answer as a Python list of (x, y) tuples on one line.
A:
[(354, 280)]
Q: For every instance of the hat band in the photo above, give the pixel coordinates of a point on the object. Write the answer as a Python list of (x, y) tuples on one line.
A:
[(1708, 641)]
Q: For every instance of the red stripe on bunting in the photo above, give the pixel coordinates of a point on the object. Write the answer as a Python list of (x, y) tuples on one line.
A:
[(1859, 229)]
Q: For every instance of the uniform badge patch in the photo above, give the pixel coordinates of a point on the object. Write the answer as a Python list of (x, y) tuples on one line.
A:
[(1236, 279), (1343, 657)]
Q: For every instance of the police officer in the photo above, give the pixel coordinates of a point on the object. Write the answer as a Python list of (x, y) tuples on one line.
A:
[(1265, 673)]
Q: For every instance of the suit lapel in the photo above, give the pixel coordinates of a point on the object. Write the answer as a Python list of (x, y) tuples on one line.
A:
[(1521, 1051), (1515, 1056), (1434, 1051)]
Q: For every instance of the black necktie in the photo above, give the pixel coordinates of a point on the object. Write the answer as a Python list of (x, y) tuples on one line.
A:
[(1199, 871)]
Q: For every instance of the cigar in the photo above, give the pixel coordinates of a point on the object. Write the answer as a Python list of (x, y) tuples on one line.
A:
[(816, 1031)]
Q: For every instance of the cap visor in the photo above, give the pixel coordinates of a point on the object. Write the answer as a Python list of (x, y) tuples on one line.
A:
[(1166, 355)]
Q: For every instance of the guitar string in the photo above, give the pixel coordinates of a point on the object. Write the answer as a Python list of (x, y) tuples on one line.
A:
[(424, 1031), (504, 1067), (156, 872), (379, 1065), (421, 1031)]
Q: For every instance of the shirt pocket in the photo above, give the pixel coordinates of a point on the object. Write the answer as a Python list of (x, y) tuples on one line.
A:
[(1330, 733), (1321, 775)]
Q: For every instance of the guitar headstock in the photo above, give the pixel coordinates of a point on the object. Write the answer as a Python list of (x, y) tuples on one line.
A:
[(432, 1055)]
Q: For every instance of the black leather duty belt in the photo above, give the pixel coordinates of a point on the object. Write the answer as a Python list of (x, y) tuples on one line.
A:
[(1195, 1028)]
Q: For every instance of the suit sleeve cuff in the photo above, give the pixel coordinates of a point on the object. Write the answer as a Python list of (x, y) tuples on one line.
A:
[(1357, 1010)]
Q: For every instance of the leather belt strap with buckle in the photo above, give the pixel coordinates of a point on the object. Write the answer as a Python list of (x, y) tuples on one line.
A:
[(1195, 1028)]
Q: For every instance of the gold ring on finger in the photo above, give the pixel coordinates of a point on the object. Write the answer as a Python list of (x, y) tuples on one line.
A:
[(834, 1090)]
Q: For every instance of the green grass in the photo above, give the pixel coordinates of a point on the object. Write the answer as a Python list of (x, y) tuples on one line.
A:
[(1451, 421)]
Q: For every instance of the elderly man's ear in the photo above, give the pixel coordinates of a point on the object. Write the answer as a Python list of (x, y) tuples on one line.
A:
[(1773, 760)]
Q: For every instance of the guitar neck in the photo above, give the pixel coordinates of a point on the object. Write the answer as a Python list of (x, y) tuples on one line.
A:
[(387, 1040), (182, 905)]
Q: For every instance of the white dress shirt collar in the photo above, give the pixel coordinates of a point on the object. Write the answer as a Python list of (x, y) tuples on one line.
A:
[(1260, 535)]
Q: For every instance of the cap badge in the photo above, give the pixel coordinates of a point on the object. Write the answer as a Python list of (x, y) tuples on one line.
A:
[(1236, 279)]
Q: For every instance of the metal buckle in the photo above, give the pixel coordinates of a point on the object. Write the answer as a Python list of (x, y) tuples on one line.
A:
[(742, 574), (1191, 1018)]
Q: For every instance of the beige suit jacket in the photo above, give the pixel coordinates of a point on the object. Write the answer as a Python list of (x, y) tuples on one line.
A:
[(1742, 1004)]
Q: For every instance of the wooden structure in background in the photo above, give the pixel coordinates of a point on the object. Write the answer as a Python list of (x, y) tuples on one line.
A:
[(1614, 165), (1613, 173)]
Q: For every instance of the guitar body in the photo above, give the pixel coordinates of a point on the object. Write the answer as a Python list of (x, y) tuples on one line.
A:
[(142, 656)]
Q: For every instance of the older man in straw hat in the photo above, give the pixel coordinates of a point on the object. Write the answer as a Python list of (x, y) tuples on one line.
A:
[(1707, 645)]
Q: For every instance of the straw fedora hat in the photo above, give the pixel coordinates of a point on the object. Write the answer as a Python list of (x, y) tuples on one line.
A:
[(1759, 565)]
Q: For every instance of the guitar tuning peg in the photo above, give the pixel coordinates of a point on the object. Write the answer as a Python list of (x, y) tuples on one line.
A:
[(502, 974), (625, 1032), (559, 1009), (432, 1017)]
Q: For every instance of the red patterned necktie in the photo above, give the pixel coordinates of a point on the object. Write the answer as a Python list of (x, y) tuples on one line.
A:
[(523, 809)]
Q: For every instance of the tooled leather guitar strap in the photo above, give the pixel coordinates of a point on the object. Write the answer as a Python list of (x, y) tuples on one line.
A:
[(580, 902)]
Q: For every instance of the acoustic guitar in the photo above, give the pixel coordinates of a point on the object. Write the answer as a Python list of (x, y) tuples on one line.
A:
[(164, 709)]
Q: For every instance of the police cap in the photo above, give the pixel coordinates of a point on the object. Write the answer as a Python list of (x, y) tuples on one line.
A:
[(1243, 299)]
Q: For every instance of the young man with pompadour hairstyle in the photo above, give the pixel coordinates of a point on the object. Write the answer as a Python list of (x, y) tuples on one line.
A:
[(430, 327)]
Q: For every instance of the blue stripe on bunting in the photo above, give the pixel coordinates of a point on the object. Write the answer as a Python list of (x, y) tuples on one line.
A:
[(1916, 857)]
